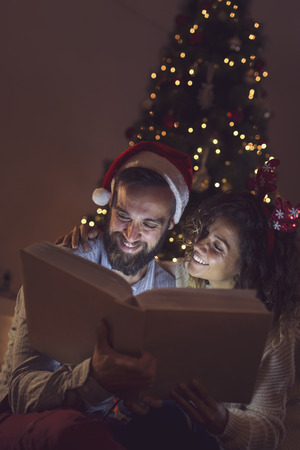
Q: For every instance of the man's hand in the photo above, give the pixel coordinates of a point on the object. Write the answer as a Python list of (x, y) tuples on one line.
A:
[(201, 407), (81, 233), (118, 373)]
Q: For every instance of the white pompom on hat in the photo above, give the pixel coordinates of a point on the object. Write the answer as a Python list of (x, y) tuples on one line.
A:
[(174, 166)]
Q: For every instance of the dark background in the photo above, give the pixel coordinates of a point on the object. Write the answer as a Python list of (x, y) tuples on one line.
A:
[(73, 76)]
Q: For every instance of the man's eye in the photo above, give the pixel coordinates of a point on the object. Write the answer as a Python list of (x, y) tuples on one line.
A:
[(122, 217), (150, 226)]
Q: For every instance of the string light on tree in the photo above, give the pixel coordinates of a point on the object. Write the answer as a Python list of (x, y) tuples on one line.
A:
[(206, 96)]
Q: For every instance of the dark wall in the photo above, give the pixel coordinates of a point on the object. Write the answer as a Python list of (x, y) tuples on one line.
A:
[(73, 74)]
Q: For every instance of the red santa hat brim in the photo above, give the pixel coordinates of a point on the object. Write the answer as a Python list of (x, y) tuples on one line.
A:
[(173, 165)]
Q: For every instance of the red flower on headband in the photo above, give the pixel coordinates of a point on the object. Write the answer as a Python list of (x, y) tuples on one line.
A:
[(284, 217), (264, 179)]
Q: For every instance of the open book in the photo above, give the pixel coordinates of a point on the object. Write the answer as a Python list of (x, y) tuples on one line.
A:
[(215, 335)]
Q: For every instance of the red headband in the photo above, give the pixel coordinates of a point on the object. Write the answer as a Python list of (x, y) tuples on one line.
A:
[(284, 217)]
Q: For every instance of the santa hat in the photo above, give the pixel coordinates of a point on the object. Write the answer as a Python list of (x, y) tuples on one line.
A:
[(173, 165)]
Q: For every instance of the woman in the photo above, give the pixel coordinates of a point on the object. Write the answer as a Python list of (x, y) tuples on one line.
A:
[(231, 244)]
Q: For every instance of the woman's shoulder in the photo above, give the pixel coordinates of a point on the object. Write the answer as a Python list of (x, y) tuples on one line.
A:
[(178, 270)]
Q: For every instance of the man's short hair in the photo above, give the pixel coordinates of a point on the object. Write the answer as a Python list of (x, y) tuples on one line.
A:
[(142, 176)]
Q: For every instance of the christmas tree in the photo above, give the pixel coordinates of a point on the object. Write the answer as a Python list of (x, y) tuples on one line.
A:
[(206, 98)]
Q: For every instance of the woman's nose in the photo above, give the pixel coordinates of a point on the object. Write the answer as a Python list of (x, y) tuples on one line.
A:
[(202, 245)]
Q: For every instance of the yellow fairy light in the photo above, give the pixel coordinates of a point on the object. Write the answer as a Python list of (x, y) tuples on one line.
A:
[(267, 199), (243, 60), (104, 211), (151, 128), (199, 149), (228, 3), (265, 74), (226, 60), (215, 141), (203, 125), (242, 136), (191, 71), (83, 221), (182, 55), (171, 239), (264, 146), (206, 16), (224, 180), (217, 185), (231, 124), (163, 133), (153, 75), (256, 25), (177, 36), (218, 151), (174, 259), (192, 30), (176, 125), (231, 63), (196, 26), (163, 68), (196, 168), (251, 37), (235, 6), (196, 156), (235, 133), (232, 15), (204, 11), (177, 82), (172, 69), (190, 130), (252, 57), (257, 79), (99, 211), (139, 136), (91, 223), (251, 94), (157, 137), (190, 83), (153, 95)]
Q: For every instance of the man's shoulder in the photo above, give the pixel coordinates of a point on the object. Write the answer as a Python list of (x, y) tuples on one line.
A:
[(94, 252), (163, 277)]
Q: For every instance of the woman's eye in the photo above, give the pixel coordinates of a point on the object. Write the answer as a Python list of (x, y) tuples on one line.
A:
[(218, 248)]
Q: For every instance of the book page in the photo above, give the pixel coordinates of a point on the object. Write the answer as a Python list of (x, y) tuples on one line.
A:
[(201, 299), (81, 268)]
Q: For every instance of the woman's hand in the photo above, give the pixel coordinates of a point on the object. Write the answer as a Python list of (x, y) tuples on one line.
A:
[(80, 233), (201, 407)]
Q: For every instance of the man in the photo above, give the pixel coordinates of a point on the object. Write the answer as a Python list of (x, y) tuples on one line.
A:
[(147, 188)]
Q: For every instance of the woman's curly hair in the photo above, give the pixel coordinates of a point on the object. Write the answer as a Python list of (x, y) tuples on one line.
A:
[(274, 276)]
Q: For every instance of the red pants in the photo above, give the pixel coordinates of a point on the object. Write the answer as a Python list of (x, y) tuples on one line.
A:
[(59, 429)]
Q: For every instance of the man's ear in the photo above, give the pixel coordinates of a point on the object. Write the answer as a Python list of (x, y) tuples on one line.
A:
[(171, 223)]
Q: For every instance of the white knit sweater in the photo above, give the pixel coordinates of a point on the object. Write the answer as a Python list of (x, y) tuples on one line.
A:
[(272, 419)]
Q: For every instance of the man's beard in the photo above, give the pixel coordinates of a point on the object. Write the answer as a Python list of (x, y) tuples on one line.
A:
[(129, 264)]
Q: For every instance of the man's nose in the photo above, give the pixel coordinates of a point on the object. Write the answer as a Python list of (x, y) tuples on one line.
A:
[(132, 232)]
